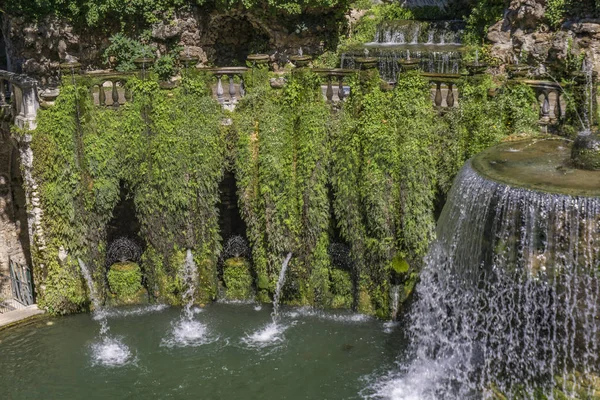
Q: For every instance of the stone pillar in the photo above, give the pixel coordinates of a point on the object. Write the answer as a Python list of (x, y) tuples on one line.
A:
[(25, 106)]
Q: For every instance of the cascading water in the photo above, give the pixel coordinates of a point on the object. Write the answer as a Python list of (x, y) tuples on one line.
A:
[(187, 331), (108, 351), (437, 46), (272, 332), (508, 300)]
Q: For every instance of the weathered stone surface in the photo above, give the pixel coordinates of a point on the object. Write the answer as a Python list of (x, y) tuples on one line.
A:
[(216, 38), (523, 34)]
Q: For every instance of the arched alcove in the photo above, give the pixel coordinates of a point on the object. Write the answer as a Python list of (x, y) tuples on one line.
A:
[(124, 222), (235, 38), (230, 219)]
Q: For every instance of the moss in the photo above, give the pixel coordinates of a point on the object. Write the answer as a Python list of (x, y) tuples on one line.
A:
[(125, 279), (400, 265), (364, 303), (341, 288), (237, 279)]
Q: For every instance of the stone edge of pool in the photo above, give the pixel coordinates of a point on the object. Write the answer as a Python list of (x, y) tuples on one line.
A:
[(18, 317)]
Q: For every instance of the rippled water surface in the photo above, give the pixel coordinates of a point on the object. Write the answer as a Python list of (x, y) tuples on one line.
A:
[(237, 354)]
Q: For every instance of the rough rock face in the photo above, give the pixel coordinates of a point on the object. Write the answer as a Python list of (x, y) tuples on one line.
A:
[(217, 38), (524, 35)]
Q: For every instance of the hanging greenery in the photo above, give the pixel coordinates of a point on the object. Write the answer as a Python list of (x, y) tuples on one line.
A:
[(166, 148), (281, 172), (374, 170)]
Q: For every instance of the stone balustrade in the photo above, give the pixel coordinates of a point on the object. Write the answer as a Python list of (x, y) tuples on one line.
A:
[(444, 90), (235, 90), (552, 101), (335, 91), (108, 89)]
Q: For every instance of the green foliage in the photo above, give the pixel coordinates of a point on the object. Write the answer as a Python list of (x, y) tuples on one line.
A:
[(281, 170), (125, 279), (167, 150), (237, 279), (481, 17), (124, 50), (134, 14), (555, 12), (164, 67)]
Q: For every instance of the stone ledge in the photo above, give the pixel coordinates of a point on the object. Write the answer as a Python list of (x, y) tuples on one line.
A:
[(13, 317)]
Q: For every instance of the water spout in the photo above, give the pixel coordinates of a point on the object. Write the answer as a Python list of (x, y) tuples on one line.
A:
[(280, 283), (107, 351)]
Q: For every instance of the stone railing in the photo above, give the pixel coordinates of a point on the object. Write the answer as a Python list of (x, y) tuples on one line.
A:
[(552, 101), (109, 89), (235, 90), (335, 91)]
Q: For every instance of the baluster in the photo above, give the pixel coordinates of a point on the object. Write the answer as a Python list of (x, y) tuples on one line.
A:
[(329, 91), (557, 108), (2, 93), (231, 88), (438, 94), (545, 105), (341, 93), (101, 95), (219, 90), (450, 95), (242, 86), (127, 94), (115, 94)]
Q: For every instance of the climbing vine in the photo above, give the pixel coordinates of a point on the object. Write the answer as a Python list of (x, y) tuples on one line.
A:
[(165, 148), (370, 175), (282, 175)]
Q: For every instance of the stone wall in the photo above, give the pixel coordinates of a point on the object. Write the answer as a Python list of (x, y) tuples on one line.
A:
[(523, 34), (14, 236), (217, 38)]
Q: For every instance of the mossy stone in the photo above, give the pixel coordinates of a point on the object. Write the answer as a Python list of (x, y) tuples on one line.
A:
[(125, 283), (262, 282), (341, 288), (237, 279), (585, 152)]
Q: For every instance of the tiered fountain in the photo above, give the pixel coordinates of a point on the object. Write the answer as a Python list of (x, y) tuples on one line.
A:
[(509, 299), (435, 46)]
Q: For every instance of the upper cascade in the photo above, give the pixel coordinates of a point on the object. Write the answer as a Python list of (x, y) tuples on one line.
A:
[(419, 32)]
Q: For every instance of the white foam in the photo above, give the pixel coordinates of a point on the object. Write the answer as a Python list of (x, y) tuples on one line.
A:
[(187, 332), (110, 352), (311, 312), (424, 379), (116, 313), (270, 334), (388, 327)]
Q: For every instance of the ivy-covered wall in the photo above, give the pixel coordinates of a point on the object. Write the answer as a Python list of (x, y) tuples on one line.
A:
[(166, 148), (369, 176)]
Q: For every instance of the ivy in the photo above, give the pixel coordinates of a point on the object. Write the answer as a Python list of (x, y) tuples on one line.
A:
[(281, 171), (370, 174), (166, 149)]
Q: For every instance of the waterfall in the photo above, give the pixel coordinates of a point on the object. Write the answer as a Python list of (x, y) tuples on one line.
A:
[(279, 286), (107, 351), (187, 331), (420, 32), (508, 299)]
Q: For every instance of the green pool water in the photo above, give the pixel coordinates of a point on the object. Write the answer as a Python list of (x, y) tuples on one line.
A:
[(313, 355)]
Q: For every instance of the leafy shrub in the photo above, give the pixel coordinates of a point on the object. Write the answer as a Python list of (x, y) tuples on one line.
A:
[(124, 50)]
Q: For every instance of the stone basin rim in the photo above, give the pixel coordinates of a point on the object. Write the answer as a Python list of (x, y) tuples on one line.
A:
[(490, 165)]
